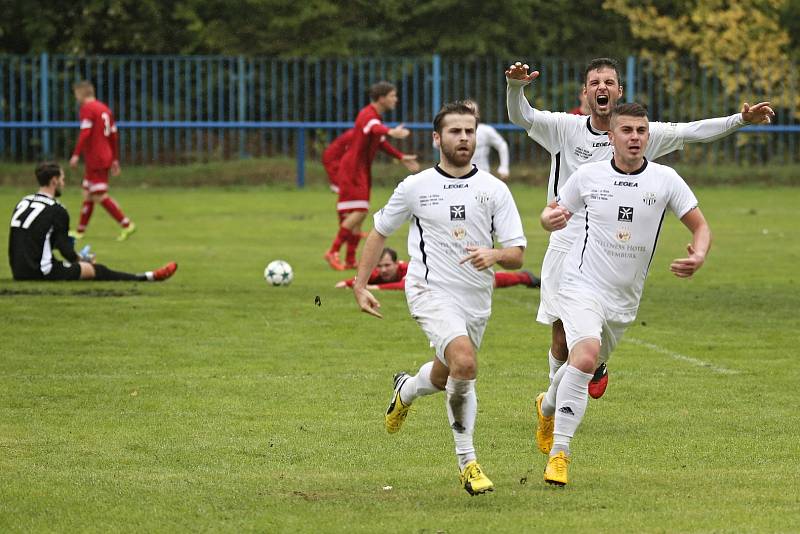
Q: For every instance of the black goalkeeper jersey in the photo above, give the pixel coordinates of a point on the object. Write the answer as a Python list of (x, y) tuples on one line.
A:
[(39, 226)]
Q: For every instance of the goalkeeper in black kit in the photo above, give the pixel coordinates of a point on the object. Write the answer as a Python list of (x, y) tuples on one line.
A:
[(39, 227)]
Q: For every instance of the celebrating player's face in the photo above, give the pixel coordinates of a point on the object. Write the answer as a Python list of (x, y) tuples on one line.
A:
[(602, 90), (629, 135), (457, 140)]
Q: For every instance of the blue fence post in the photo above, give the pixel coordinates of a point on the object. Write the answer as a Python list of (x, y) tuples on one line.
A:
[(242, 107), (436, 100), (44, 88), (301, 157), (630, 79)]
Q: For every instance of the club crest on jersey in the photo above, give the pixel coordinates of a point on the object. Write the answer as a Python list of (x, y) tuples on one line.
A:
[(458, 213), (649, 199), (459, 233), (623, 234), (482, 197), (625, 214)]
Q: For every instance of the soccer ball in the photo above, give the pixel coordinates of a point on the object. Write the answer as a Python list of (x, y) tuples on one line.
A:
[(278, 273)]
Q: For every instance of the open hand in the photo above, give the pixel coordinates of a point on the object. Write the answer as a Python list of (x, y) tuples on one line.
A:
[(686, 267), (410, 162), (519, 73), (399, 132), (760, 113)]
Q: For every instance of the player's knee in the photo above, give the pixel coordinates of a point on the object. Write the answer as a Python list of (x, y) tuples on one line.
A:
[(585, 355), (87, 271), (461, 358)]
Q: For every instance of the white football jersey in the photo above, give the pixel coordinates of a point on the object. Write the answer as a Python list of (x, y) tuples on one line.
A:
[(624, 214), (486, 139), (572, 142), (448, 214)]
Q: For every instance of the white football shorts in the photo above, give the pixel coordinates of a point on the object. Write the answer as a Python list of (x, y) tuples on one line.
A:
[(443, 318), (552, 267), (584, 317)]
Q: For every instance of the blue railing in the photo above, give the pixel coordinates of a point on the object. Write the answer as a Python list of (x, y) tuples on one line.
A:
[(176, 109)]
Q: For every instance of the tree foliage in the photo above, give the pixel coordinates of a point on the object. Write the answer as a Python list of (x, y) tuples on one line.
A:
[(745, 43)]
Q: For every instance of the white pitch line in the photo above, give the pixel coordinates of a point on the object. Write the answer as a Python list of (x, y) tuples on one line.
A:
[(683, 358)]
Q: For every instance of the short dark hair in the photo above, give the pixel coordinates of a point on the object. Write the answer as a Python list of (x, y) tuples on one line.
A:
[(391, 252), (631, 109), (459, 107), (46, 171), (599, 63), (380, 89)]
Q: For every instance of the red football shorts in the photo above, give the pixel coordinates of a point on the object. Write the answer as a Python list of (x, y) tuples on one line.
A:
[(96, 180), (353, 195)]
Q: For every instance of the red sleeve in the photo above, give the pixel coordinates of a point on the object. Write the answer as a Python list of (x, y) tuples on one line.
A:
[(374, 126), (350, 282), (83, 115), (400, 284), (113, 140), (387, 147)]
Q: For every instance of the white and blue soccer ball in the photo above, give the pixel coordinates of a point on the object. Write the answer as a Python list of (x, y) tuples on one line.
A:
[(278, 273)]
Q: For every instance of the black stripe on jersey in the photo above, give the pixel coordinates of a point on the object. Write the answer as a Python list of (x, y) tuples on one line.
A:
[(422, 249), (586, 237), (640, 170), (589, 125), (558, 168), (470, 174), (655, 241)]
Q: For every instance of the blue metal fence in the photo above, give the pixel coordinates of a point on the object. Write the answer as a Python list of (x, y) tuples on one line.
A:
[(174, 109)]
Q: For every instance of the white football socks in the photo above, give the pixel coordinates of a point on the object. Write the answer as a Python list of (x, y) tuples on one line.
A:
[(462, 410), (572, 397), (549, 401), (555, 364), (419, 385)]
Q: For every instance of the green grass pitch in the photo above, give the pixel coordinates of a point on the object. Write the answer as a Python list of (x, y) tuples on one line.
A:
[(214, 402)]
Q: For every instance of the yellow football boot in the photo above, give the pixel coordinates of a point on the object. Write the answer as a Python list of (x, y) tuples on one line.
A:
[(544, 427), (397, 411), (474, 481), (556, 470)]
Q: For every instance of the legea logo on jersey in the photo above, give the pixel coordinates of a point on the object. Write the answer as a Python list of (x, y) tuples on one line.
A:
[(625, 214), (649, 199), (457, 213)]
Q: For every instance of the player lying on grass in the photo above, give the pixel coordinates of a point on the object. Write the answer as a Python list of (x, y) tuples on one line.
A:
[(457, 213), (390, 273), (625, 200), (574, 140), (39, 226)]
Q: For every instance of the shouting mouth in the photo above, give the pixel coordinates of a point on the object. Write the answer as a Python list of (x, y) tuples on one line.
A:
[(602, 100)]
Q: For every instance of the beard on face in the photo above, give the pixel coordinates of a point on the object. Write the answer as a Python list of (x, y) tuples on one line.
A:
[(456, 157)]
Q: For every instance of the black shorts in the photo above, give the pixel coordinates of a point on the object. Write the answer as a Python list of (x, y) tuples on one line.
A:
[(64, 271)]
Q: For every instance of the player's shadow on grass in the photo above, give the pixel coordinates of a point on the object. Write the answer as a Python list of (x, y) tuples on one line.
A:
[(89, 292)]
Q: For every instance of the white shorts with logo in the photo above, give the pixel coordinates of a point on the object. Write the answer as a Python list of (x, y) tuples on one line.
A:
[(552, 266), (584, 317), (443, 319)]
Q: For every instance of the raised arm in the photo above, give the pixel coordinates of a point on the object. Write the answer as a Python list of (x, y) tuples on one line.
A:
[(697, 249), (520, 111), (708, 130)]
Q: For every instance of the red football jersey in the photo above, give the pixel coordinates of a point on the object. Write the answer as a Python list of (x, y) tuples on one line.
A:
[(332, 155), (98, 137), (399, 281), (368, 135)]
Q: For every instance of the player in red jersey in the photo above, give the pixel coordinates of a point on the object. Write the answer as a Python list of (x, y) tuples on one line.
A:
[(332, 156), (99, 144), (354, 177), (391, 274)]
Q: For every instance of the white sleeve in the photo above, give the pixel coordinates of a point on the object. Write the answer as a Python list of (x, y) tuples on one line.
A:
[(681, 199), (570, 194), (499, 144), (506, 220), (666, 137), (396, 212), (542, 126)]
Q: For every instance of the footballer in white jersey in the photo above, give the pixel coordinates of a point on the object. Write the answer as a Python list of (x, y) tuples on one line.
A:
[(487, 138), (447, 215), (574, 140), (462, 222), (625, 201)]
